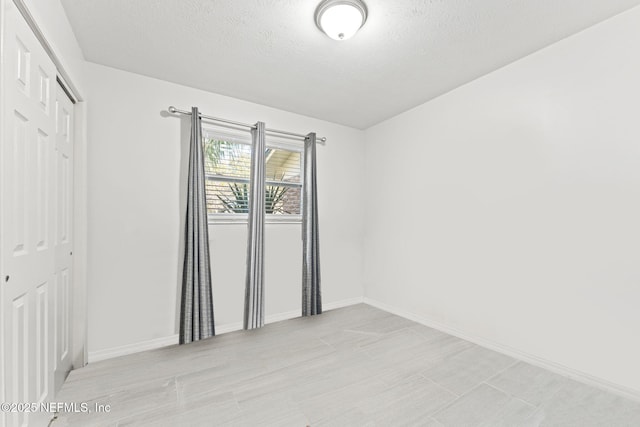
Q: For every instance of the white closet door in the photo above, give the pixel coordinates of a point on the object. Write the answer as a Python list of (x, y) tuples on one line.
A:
[(27, 215), (63, 240)]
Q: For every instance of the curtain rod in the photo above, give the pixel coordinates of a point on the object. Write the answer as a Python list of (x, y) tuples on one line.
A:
[(174, 110)]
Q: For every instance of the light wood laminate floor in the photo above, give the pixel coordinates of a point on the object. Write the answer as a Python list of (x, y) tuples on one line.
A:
[(355, 366)]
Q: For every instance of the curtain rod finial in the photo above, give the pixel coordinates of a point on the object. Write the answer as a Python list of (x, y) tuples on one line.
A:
[(172, 109)]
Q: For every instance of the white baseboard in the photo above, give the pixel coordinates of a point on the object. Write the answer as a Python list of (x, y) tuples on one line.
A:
[(342, 303), (565, 371), (278, 317), (109, 353)]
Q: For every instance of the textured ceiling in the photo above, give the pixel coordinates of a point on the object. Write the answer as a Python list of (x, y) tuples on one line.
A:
[(270, 51)]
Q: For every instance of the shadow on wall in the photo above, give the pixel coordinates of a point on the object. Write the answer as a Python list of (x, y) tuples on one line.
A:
[(181, 205)]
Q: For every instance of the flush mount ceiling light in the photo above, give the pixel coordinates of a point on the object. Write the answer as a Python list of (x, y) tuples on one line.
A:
[(341, 19)]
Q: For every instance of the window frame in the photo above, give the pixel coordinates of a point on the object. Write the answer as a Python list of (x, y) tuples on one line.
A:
[(270, 142)]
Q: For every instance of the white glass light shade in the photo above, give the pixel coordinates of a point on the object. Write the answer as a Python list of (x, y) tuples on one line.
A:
[(341, 19)]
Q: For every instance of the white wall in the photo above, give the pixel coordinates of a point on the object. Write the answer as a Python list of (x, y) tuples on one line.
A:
[(526, 235), (135, 164), (509, 209)]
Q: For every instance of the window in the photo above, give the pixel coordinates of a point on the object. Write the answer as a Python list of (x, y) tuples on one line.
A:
[(228, 168)]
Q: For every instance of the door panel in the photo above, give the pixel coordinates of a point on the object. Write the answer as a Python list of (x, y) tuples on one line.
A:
[(63, 241), (42, 341), (42, 191), (17, 160), (20, 353), (26, 219)]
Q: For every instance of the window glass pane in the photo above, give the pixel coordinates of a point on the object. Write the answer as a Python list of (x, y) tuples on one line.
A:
[(283, 166), (228, 168), (227, 158), (281, 200), (227, 197)]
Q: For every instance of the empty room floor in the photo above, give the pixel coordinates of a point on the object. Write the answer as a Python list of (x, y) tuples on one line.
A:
[(355, 366)]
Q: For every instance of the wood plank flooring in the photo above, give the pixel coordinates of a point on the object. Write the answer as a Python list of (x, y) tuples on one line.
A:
[(355, 366)]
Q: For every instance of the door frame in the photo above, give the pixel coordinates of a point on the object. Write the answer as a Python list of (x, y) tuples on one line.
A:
[(79, 319), (79, 288)]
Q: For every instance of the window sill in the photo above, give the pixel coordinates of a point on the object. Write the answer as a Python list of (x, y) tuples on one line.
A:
[(222, 219)]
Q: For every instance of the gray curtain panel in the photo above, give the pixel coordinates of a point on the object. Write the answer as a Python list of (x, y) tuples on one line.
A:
[(196, 317), (311, 297), (254, 291)]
